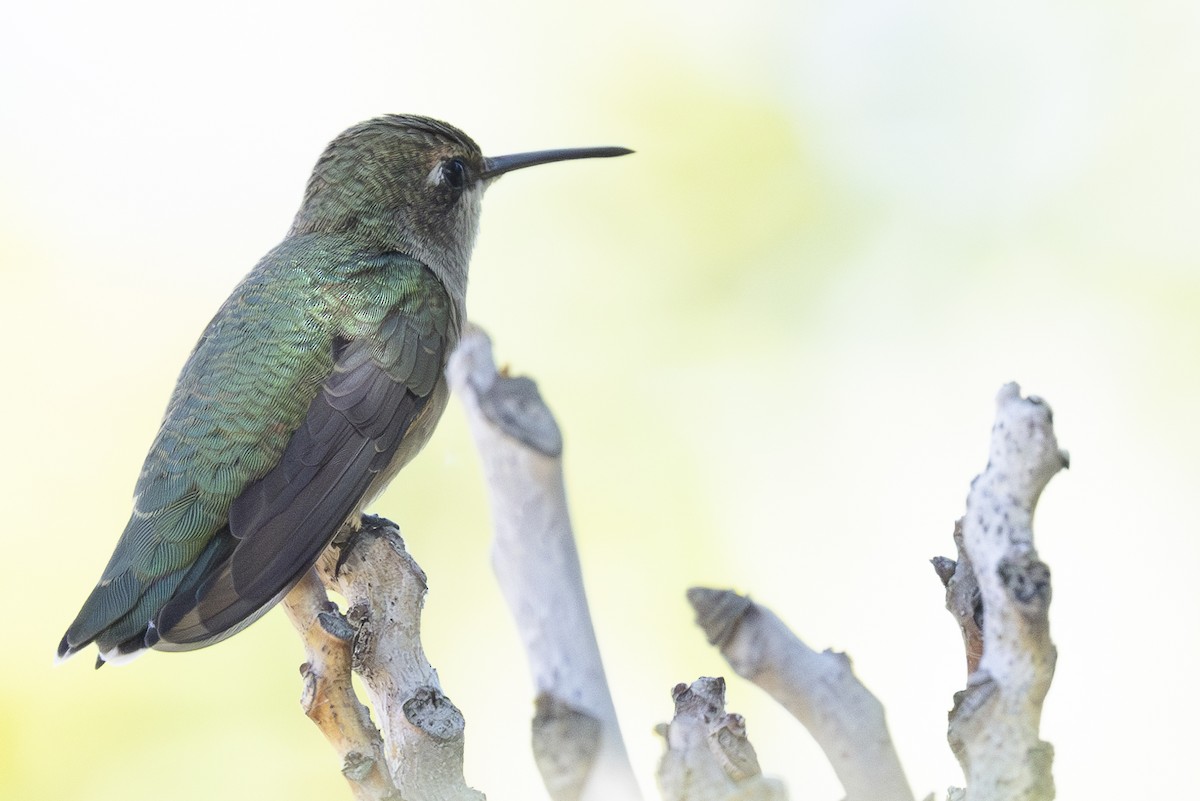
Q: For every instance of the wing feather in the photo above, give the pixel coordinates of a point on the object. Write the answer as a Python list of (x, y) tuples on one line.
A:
[(286, 414), (351, 433)]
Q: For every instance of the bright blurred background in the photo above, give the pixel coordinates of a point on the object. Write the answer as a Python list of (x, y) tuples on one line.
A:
[(772, 338)]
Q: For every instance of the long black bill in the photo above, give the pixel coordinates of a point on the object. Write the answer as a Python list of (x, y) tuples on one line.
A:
[(502, 164)]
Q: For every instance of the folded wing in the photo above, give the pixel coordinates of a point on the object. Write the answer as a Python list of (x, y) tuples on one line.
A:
[(278, 526)]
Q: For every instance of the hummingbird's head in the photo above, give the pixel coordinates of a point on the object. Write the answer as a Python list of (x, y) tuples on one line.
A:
[(402, 183), (413, 185)]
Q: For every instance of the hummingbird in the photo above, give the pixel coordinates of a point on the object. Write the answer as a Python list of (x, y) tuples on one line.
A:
[(318, 379)]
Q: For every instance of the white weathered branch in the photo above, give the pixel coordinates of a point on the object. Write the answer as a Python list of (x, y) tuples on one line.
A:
[(819, 689), (708, 756), (999, 592), (329, 699), (379, 639), (576, 740)]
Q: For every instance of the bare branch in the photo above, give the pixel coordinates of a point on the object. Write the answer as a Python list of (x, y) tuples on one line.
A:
[(819, 689), (708, 756), (576, 740), (995, 721), (385, 590), (329, 699)]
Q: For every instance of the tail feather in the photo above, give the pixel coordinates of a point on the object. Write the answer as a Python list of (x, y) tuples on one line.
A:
[(119, 616), (109, 601)]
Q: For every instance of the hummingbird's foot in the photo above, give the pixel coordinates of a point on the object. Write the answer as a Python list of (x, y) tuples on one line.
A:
[(348, 530), (376, 523), (348, 534)]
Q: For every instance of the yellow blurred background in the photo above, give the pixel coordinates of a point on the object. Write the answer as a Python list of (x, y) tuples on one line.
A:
[(772, 338)]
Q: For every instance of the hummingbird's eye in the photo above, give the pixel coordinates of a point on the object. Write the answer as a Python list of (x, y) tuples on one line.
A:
[(454, 172)]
